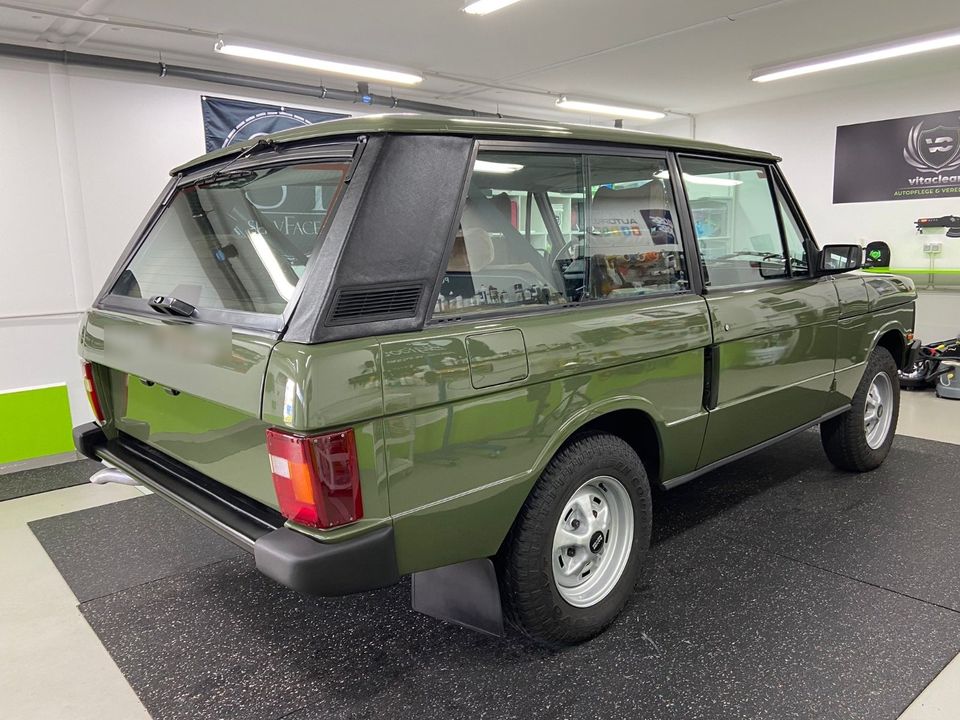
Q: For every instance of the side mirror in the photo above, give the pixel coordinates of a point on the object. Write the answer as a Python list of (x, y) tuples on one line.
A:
[(835, 259)]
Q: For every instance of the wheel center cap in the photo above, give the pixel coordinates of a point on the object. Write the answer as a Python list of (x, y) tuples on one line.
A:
[(596, 542)]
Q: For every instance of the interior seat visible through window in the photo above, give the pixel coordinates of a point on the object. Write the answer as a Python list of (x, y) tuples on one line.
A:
[(523, 243)]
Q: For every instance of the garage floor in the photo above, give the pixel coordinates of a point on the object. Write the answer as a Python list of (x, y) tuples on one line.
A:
[(776, 588)]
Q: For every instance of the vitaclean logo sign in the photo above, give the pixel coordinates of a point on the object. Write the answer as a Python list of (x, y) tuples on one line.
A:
[(902, 159)]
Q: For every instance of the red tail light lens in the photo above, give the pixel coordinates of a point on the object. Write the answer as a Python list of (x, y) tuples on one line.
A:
[(317, 478), (91, 389)]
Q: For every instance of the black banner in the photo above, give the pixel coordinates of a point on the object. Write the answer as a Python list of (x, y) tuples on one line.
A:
[(231, 121), (908, 158)]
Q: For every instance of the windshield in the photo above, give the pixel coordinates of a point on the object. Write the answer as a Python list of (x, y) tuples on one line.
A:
[(239, 241)]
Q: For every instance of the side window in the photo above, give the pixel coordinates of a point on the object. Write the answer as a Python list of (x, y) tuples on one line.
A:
[(520, 225), (533, 234), (796, 242), (632, 246), (735, 222)]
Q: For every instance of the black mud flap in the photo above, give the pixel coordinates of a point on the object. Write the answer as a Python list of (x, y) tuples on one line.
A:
[(466, 594)]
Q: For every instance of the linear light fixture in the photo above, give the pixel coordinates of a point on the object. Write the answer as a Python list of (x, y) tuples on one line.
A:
[(858, 57), (485, 7), (393, 77), (614, 110), (485, 166), (701, 179)]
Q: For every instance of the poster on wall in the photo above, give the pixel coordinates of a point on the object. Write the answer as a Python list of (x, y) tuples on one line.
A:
[(909, 158), (226, 121)]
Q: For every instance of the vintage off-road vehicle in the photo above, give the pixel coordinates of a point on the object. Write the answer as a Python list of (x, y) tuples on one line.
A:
[(464, 350)]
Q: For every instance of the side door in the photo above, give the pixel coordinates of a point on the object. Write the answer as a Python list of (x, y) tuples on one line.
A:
[(774, 323), (564, 295)]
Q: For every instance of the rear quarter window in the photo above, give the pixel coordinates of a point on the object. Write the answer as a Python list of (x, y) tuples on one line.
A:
[(238, 242)]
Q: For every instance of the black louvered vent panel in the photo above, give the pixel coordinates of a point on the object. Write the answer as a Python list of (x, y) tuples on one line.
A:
[(376, 303)]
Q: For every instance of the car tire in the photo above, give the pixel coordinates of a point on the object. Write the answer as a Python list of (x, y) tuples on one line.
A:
[(855, 442), (564, 605)]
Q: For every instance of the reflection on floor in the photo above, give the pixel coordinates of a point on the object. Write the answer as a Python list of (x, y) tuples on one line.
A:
[(938, 316), (776, 588)]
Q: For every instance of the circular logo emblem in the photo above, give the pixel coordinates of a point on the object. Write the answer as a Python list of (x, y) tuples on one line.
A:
[(596, 542)]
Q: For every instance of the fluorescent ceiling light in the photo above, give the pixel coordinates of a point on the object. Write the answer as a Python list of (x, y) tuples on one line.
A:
[(615, 110), (707, 180), (483, 7), (284, 287), (858, 57), (392, 77), (485, 166), (701, 179)]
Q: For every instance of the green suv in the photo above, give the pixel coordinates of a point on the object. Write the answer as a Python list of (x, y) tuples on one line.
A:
[(465, 350)]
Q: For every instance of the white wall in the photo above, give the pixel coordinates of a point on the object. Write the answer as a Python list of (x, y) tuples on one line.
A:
[(84, 154), (802, 130)]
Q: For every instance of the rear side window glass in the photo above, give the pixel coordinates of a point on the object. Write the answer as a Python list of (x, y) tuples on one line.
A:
[(546, 229), (521, 213), (735, 222), (239, 242)]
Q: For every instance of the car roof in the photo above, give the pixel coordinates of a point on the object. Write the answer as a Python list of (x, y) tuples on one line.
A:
[(476, 127)]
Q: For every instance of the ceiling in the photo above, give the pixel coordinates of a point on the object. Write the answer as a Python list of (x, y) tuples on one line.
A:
[(689, 57)]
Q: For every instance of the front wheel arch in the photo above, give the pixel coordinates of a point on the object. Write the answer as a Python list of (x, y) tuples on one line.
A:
[(895, 342)]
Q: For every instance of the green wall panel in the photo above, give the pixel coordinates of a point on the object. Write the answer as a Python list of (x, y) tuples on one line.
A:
[(34, 423)]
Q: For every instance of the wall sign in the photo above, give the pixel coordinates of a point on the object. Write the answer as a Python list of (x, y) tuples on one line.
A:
[(231, 121), (910, 158)]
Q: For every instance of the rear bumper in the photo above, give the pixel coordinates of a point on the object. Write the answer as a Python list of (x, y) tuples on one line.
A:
[(291, 558)]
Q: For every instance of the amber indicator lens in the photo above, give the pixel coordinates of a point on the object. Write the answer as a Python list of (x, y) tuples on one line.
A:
[(316, 477)]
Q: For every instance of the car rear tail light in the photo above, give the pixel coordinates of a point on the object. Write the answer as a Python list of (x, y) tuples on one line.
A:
[(91, 388), (316, 477)]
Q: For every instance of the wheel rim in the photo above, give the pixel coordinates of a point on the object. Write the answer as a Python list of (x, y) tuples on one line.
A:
[(878, 410), (592, 542)]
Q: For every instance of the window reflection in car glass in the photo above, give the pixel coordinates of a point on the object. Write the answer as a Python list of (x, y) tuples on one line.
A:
[(735, 222), (524, 240), (240, 242)]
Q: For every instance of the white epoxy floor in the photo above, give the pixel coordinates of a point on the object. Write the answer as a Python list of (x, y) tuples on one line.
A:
[(61, 670), (54, 666)]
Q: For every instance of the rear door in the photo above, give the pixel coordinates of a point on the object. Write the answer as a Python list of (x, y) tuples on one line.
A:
[(232, 249), (774, 323)]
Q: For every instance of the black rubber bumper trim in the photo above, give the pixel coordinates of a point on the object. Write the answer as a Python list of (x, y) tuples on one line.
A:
[(87, 438), (236, 516), (293, 559)]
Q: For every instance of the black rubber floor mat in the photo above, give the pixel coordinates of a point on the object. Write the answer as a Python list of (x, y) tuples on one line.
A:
[(765, 596), (719, 630), (52, 477), (106, 549)]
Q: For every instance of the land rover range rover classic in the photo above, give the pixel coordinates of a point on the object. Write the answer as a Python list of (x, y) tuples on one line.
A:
[(465, 351)]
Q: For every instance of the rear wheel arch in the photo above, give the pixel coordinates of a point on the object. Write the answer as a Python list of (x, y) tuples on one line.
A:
[(635, 427)]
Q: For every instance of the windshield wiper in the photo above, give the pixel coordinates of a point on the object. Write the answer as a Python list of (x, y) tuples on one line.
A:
[(171, 306), (263, 142), (752, 253)]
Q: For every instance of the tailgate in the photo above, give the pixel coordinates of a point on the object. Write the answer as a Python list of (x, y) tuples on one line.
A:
[(181, 335), (191, 391)]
